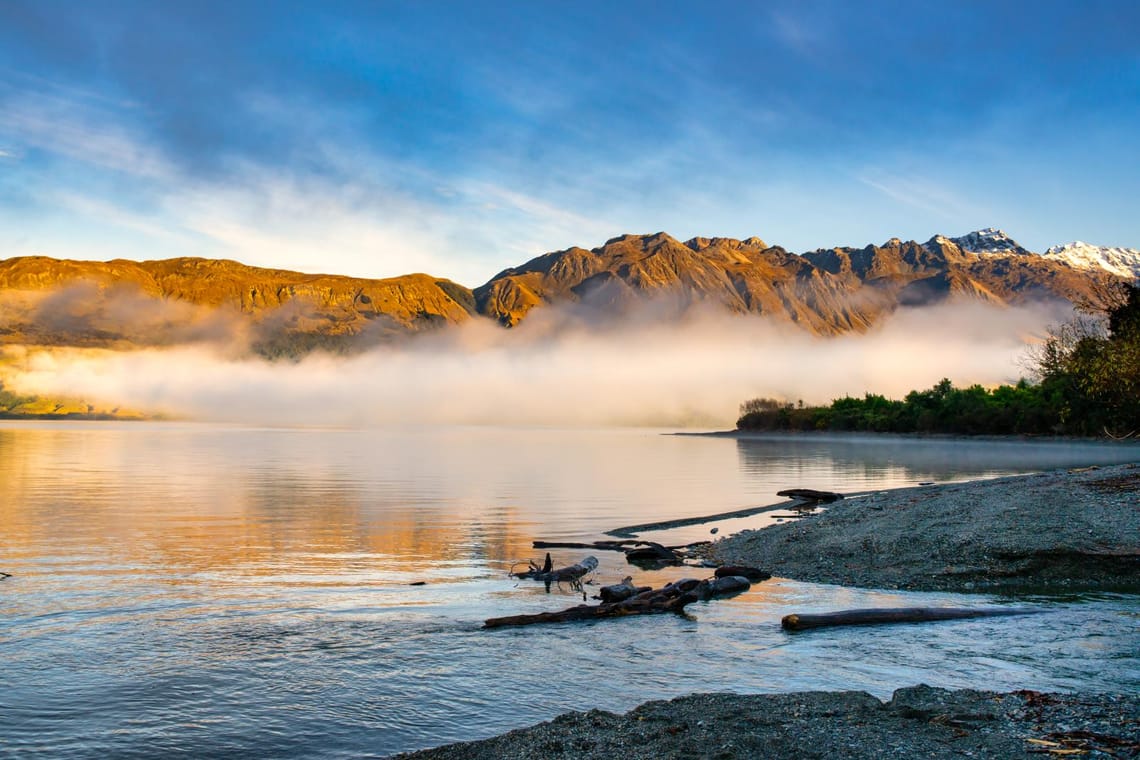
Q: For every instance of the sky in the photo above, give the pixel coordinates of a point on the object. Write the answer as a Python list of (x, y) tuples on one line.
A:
[(381, 138)]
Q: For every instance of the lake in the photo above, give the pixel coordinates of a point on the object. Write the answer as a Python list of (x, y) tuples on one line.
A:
[(207, 590)]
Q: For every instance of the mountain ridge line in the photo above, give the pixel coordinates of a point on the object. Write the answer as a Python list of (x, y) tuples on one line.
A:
[(832, 291)]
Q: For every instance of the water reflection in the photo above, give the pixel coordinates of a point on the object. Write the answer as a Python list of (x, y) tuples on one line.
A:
[(242, 590), (849, 463), (200, 499)]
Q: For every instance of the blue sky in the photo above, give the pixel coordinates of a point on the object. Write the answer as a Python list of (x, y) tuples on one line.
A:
[(381, 138)]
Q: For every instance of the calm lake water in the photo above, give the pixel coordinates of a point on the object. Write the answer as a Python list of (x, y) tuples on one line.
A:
[(203, 590)]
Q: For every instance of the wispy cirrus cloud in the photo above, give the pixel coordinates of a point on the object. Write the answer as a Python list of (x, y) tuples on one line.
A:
[(499, 132), (71, 129), (940, 198), (343, 209)]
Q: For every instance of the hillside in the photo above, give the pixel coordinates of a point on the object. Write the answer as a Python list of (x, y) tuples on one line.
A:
[(828, 291), (1124, 262), (737, 276), (123, 304)]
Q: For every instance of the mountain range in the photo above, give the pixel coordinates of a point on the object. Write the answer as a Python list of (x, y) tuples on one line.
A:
[(121, 303)]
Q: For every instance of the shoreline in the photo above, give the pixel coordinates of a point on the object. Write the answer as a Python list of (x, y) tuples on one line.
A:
[(1053, 532), (847, 435), (918, 721)]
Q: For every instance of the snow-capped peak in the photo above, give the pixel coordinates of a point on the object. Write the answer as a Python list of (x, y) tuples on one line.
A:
[(989, 240), (1123, 262), (939, 240)]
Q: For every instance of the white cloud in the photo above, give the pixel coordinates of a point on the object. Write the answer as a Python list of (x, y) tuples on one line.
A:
[(349, 211), (919, 192), (801, 34), (84, 133)]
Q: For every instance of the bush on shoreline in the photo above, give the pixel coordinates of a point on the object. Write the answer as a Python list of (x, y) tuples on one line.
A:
[(1008, 409), (1088, 383)]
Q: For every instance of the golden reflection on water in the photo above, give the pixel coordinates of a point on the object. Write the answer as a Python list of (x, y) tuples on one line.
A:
[(246, 591), (200, 498), (126, 496)]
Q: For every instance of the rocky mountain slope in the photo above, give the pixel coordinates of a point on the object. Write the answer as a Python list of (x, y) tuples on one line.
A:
[(827, 291), (51, 301), (1123, 262), (989, 240), (740, 276), (124, 303)]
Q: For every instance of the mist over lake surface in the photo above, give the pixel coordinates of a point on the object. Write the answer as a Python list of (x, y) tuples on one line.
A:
[(208, 590)]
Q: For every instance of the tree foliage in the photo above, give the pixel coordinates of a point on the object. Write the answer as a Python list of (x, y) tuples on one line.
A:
[(1087, 382), (1091, 368)]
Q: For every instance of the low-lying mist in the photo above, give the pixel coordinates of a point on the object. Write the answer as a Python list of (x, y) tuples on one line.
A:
[(692, 373)]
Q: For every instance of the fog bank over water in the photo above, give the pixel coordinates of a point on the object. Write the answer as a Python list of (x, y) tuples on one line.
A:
[(553, 372)]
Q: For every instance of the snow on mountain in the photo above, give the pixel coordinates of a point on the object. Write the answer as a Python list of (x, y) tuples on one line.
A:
[(989, 240), (1124, 262)]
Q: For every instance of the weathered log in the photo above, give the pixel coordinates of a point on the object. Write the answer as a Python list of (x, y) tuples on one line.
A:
[(590, 612), (634, 606), (798, 622), (620, 591), (547, 574), (652, 552), (727, 585), (673, 597), (679, 586), (751, 573), (810, 494), (581, 612), (684, 522), (613, 546)]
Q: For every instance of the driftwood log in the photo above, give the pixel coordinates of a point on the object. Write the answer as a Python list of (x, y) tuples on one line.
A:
[(810, 494), (808, 500), (751, 573), (803, 622), (636, 551), (548, 574), (673, 597), (653, 554), (684, 522), (613, 546), (619, 592)]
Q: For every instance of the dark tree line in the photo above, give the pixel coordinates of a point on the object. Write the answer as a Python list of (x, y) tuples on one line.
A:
[(1086, 382)]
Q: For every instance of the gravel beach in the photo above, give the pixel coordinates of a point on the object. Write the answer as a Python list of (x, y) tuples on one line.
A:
[(918, 722), (1048, 532), (1052, 532)]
